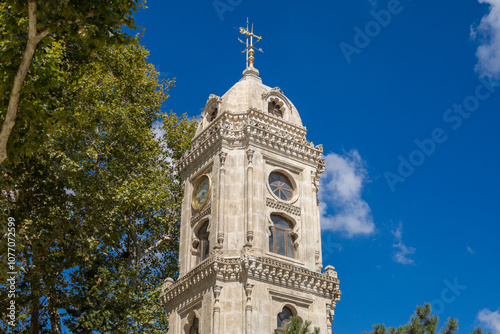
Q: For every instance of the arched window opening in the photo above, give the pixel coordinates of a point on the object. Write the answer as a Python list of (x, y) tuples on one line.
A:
[(195, 328), (280, 239), (203, 246), (281, 186), (274, 109), (283, 317), (212, 114)]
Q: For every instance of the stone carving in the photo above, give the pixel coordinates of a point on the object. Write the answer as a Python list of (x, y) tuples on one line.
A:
[(276, 91), (264, 269), (288, 208), (200, 215), (250, 155), (248, 292), (222, 157), (217, 290), (257, 126), (330, 271)]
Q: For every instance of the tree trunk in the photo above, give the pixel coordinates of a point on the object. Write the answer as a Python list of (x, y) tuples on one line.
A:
[(34, 314), (10, 117), (55, 319), (35, 304)]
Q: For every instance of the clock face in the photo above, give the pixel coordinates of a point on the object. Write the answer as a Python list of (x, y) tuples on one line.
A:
[(201, 191)]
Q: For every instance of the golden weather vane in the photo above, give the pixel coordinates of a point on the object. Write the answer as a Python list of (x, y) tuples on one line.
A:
[(249, 46)]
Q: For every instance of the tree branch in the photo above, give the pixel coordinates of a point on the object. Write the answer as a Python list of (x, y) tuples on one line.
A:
[(34, 37), (160, 242)]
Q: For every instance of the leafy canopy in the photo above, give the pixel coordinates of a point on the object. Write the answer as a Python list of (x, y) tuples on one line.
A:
[(97, 204)]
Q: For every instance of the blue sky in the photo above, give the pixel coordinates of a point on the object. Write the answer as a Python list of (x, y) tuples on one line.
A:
[(410, 133)]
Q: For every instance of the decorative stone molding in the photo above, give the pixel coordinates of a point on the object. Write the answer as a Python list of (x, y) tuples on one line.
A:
[(320, 169), (212, 102), (248, 308), (249, 198), (330, 312), (212, 98), (248, 291), (217, 289), (203, 155), (263, 129), (191, 302), (317, 260), (283, 274), (330, 271), (276, 91), (250, 153), (288, 208), (291, 299), (202, 214), (210, 268), (212, 107), (271, 271), (168, 282), (222, 157), (221, 200)]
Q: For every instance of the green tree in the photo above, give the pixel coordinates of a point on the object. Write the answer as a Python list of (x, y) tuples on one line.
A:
[(29, 26), (97, 202), (296, 326), (422, 322)]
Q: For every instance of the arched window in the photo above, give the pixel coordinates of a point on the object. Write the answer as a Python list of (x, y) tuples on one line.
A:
[(203, 246), (281, 186), (274, 109), (280, 239), (212, 114), (283, 317), (195, 328)]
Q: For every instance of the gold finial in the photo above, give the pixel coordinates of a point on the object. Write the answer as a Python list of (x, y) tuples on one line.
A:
[(249, 47)]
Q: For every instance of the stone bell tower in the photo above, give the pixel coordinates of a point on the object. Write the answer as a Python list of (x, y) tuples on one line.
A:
[(250, 238)]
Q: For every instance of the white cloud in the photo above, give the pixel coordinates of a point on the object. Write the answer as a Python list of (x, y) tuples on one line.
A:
[(470, 250), (158, 131), (488, 52), (340, 189), (401, 255), (490, 320)]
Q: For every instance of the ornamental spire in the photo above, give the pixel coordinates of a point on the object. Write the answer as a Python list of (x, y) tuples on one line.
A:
[(249, 49)]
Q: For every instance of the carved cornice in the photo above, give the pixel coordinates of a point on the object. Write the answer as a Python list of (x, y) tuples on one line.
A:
[(208, 270), (284, 274), (288, 208), (200, 215), (271, 271), (253, 125)]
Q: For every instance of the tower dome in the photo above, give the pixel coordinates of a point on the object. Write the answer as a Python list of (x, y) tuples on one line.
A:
[(249, 93)]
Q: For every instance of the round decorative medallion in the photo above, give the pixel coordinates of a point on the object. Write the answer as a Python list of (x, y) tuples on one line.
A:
[(201, 192)]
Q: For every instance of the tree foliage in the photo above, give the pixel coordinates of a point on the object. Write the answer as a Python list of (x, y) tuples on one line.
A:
[(97, 201), (422, 322), (296, 326), (29, 28)]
